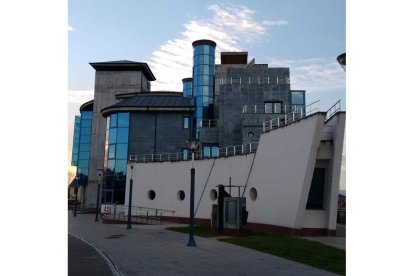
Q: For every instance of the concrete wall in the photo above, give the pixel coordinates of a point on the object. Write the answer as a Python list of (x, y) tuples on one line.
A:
[(107, 84), (281, 172)]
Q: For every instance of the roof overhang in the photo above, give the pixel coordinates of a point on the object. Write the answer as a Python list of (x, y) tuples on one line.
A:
[(109, 110), (124, 66)]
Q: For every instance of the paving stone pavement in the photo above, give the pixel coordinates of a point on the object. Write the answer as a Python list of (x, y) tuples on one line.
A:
[(152, 250)]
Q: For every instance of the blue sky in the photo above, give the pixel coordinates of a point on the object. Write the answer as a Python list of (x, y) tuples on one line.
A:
[(305, 36)]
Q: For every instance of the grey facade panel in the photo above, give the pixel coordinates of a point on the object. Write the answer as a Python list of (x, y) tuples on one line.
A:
[(157, 132)]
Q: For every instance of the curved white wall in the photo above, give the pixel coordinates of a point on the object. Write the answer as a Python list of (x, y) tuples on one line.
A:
[(281, 173)]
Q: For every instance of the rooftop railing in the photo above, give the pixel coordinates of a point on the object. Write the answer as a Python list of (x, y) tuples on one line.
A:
[(334, 109), (254, 80), (256, 109), (208, 123), (198, 155), (288, 118)]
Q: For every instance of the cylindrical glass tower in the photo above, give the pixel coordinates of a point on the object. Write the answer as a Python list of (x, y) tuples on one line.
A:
[(203, 81), (188, 87)]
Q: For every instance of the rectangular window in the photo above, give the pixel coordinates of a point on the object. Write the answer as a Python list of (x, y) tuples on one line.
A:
[(113, 120), (112, 135), (121, 151), (122, 135), (298, 97), (186, 121), (316, 191), (123, 119), (277, 107), (206, 152), (214, 152), (274, 107), (185, 154), (210, 150)]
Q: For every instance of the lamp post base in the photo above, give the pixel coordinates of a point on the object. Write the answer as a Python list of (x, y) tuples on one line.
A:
[(191, 242)]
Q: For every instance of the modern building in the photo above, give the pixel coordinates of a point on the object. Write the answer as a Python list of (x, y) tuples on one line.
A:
[(229, 107)]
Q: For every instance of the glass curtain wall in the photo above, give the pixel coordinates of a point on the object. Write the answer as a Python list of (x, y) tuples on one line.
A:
[(75, 144), (116, 156), (203, 84), (298, 98), (188, 88), (84, 146)]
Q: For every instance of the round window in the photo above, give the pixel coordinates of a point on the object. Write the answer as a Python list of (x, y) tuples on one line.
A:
[(250, 134), (253, 194), (180, 195), (151, 194), (213, 194)]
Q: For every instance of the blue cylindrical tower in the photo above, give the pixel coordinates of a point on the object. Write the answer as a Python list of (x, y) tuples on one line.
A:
[(203, 81), (188, 87)]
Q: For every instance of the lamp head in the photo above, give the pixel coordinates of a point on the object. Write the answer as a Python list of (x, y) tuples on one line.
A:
[(342, 60), (193, 144)]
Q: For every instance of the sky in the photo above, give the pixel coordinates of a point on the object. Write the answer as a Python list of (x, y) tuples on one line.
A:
[(305, 36)]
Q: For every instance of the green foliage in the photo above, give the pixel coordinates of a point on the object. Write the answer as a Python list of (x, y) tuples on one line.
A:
[(296, 249), (199, 230)]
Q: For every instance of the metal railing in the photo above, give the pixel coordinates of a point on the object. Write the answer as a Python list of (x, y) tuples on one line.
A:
[(256, 109), (208, 123), (291, 117), (254, 80), (140, 215), (198, 155), (334, 109), (83, 209)]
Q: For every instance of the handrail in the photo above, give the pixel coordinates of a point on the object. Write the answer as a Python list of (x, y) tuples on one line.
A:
[(208, 123), (291, 117), (145, 214), (150, 209), (260, 109), (334, 109), (198, 155)]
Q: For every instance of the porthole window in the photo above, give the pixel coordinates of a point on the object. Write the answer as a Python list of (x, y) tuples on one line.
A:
[(151, 194), (213, 194), (253, 194), (180, 195), (250, 134)]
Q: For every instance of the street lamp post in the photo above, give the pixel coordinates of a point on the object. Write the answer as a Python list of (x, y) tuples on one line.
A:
[(98, 194), (130, 199), (76, 195), (193, 144)]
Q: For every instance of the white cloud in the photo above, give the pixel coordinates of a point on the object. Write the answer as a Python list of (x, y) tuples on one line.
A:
[(313, 75), (80, 96), (70, 29), (275, 22), (229, 27)]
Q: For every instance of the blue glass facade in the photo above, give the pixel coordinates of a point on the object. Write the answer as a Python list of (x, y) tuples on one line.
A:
[(116, 156), (298, 98), (203, 82), (85, 129), (188, 88), (75, 144)]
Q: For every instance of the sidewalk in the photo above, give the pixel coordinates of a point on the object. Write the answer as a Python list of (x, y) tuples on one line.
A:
[(152, 250)]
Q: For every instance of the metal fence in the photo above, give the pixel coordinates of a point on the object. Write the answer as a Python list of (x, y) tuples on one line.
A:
[(198, 155), (295, 115), (334, 109), (141, 215)]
